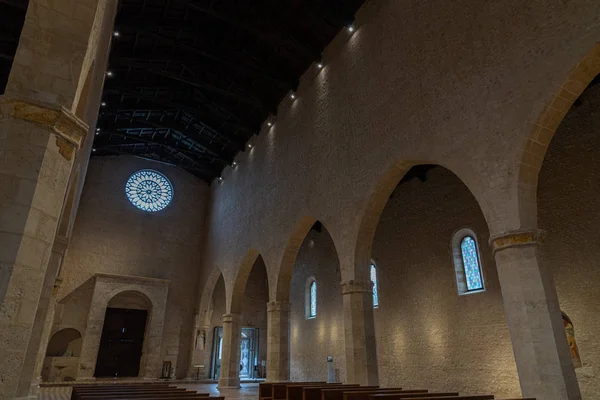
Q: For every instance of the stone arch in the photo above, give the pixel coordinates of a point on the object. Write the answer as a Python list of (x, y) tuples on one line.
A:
[(131, 299), (286, 268), (63, 342), (378, 199), (204, 311), (538, 140), (241, 278)]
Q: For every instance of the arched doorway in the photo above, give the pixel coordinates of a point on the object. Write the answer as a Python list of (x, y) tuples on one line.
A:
[(123, 335)]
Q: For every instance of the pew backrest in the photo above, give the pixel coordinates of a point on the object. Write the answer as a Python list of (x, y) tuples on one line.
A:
[(432, 396)]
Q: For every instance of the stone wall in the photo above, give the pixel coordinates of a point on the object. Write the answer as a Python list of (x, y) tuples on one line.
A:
[(313, 339), (112, 236), (427, 334), (568, 212)]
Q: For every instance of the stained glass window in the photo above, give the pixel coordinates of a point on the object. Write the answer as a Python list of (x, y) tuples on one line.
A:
[(373, 274), (149, 190), (470, 259), (313, 299)]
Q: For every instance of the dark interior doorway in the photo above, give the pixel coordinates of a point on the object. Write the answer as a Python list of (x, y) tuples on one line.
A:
[(121, 343)]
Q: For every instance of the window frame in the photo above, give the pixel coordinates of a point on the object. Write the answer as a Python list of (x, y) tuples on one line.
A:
[(308, 297), (459, 267), (375, 287)]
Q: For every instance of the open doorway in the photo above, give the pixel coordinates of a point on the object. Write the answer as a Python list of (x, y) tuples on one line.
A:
[(249, 341), (121, 343)]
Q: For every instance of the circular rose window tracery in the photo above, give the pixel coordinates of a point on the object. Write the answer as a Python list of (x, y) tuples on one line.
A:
[(149, 190)]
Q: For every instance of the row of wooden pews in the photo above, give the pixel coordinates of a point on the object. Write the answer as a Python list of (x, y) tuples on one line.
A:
[(336, 391), (136, 391)]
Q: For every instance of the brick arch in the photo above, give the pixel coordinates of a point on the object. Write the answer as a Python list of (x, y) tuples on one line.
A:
[(241, 279), (536, 144), (204, 313)]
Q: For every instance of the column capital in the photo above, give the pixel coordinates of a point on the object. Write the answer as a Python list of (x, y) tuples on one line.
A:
[(231, 318), (278, 306), (516, 238), (69, 129), (353, 286)]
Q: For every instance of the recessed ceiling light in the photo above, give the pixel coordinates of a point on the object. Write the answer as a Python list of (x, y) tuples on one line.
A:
[(350, 28), (320, 65), (93, 149), (103, 104), (249, 146), (109, 73), (116, 33), (292, 96), (269, 123)]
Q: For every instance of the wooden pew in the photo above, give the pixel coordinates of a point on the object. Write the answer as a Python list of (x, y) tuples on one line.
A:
[(338, 393), (430, 396), (314, 392), (136, 392), (265, 390), (279, 389), (365, 394)]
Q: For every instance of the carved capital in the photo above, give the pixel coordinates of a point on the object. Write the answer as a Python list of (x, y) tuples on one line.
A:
[(278, 306), (231, 318), (70, 131), (352, 286), (516, 238)]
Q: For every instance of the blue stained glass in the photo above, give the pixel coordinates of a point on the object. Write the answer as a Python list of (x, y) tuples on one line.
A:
[(373, 274), (313, 299), (149, 190), (470, 259)]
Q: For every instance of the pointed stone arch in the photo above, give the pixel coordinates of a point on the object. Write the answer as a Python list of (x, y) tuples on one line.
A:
[(241, 279), (538, 140)]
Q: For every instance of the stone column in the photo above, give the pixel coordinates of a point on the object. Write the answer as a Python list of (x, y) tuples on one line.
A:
[(278, 341), (42, 325), (531, 304), (38, 142), (359, 330), (230, 359)]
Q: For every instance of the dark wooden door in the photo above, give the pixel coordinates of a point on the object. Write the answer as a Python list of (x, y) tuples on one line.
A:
[(121, 343)]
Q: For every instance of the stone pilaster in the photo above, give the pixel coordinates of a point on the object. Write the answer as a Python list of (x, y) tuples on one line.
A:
[(359, 329), (230, 359), (278, 341), (531, 304)]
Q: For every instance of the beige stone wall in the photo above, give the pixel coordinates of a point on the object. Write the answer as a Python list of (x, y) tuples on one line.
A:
[(397, 92), (112, 236), (427, 334), (568, 212), (312, 340)]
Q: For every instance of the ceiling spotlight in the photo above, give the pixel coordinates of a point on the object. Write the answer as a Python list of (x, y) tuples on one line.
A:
[(292, 96), (269, 123), (249, 146), (350, 28), (93, 149), (97, 133), (233, 164), (109, 73), (220, 179), (103, 104), (116, 34), (97, 129), (320, 65)]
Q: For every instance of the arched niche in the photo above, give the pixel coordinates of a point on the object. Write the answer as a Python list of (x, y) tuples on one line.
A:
[(65, 343)]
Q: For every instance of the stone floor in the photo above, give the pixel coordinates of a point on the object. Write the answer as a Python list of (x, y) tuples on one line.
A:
[(249, 391)]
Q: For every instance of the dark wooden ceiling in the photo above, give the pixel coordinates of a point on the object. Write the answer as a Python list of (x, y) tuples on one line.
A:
[(193, 80), (12, 17)]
